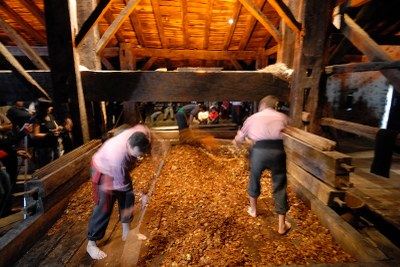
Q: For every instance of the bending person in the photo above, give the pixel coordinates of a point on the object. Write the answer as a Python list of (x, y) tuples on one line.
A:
[(111, 167)]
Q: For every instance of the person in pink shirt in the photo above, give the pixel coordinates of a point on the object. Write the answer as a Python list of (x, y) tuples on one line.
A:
[(264, 129), (111, 167)]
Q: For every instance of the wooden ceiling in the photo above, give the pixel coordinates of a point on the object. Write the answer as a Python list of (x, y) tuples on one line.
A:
[(227, 34)]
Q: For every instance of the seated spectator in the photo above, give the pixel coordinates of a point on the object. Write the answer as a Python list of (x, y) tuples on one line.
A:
[(203, 114), (213, 116), (18, 115)]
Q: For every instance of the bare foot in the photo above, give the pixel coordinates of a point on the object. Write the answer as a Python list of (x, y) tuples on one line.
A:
[(251, 212), (285, 229), (95, 252)]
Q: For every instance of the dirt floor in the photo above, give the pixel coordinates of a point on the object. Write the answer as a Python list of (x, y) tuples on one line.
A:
[(197, 217)]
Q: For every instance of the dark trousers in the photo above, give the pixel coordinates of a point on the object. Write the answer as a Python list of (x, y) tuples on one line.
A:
[(270, 155), (181, 120), (102, 211)]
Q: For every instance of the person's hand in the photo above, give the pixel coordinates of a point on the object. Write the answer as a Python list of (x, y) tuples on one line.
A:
[(27, 128), (24, 154), (234, 142)]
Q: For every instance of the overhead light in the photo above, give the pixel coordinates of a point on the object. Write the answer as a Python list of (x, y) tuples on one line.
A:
[(230, 21)]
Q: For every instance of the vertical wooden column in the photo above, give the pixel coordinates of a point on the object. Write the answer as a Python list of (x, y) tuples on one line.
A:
[(89, 58), (286, 48), (127, 61), (64, 63), (309, 62)]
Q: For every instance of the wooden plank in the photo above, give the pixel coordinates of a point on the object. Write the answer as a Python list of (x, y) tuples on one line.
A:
[(346, 236), (149, 63), (360, 67), (33, 8), (322, 191), (325, 165), (182, 86), (15, 243), (24, 46), (39, 50), (316, 141), (116, 25), (20, 71), (352, 127), (127, 57)]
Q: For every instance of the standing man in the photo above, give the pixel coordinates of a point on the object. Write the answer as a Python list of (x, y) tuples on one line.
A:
[(111, 167), (264, 129)]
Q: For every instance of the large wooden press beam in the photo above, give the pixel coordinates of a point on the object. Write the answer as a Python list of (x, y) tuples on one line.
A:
[(360, 39), (180, 86)]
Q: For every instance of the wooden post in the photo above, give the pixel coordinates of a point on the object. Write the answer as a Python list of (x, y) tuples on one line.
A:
[(309, 63), (64, 63)]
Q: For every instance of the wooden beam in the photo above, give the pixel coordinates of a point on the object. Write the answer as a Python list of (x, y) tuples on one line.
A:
[(20, 71), (137, 27), (108, 16), (92, 20), (107, 64), (116, 24), (27, 27), (17, 52), (361, 67), (160, 26), (345, 235), (285, 13), (182, 86), (236, 64), (257, 13), (363, 42), (235, 18), (24, 46), (357, 3), (316, 141), (271, 51), (352, 127), (185, 24), (33, 8), (249, 28), (149, 63), (182, 54), (127, 58)]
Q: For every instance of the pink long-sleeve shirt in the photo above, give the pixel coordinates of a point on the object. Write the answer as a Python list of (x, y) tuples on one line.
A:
[(111, 158), (264, 125)]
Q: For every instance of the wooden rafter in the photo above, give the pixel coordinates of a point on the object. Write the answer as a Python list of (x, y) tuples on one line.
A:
[(28, 28), (39, 50), (235, 18), (33, 8), (183, 54), (92, 20), (108, 16), (116, 24), (149, 63), (236, 64), (285, 13), (185, 23), (257, 13), (249, 29), (24, 46), (20, 71), (157, 14), (107, 64), (133, 17), (360, 39)]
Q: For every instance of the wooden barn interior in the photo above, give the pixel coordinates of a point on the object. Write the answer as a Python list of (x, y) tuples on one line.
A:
[(335, 65)]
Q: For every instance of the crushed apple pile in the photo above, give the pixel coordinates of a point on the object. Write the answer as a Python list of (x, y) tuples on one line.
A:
[(196, 215)]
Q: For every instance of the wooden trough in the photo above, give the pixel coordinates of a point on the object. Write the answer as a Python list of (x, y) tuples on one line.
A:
[(49, 190)]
